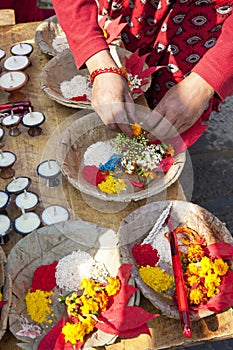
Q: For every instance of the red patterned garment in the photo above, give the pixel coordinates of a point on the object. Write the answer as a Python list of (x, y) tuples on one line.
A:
[(180, 36)]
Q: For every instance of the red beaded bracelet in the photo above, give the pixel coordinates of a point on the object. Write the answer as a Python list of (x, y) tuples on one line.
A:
[(107, 70)]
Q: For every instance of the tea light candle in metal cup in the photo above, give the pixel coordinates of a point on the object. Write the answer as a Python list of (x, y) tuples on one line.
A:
[(7, 160), (24, 49), (2, 54), (12, 82), (12, 122), (27, 200), (2, 133), (26, 222), (33, 120), (15, 63), (49, 170), (54, 214), (18, 185), (4, 201), (5, 227)]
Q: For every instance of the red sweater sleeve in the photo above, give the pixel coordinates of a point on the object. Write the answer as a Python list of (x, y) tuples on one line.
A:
[(216, 66), (78, 19)]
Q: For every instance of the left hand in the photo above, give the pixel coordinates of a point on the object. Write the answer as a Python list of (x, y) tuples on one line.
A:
[(179, 109)]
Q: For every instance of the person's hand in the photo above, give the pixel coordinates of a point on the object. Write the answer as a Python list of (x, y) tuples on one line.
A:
[(113, 102), (111, 96), (180, 108)]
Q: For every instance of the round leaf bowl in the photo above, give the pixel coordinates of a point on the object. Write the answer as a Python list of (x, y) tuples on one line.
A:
[(136, 226), (88, 130), (50, 243), (62, 68), (6, 290), (46, 32)]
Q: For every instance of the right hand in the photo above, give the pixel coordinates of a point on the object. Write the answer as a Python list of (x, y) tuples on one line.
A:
[(111, 96)]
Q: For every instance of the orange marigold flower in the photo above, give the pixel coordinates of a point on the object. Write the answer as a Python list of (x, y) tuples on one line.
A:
[(195, 252), (136, 128), (114, 285)]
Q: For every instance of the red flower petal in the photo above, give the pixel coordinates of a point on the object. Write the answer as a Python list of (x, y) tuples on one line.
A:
[(124, 272), (137, 184), (93, 175), (123, 319), (114, 29), (2, 303), (135, 64), (49, 340), (123, 296), (80, 98), (220, 250), (132, 333), (165, 164)]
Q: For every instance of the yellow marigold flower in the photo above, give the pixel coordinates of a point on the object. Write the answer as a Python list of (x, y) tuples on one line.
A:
[(136, 128), (212, 279), (156, 278), (37, 304), (102, 298), (90, 323), (220, 267), (0, 296), (192, 269), (89, 305), (106, 35), (195, 252), (89, 286), (114, 285), (206, 265), (194, 279), (170, 150), (111, 185), (74, 332), (196, 296)]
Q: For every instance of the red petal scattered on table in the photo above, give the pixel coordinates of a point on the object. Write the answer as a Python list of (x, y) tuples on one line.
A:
[(220, 250), (93, 175), (44, 278), (2, 303), (49, 340), (165, 164)]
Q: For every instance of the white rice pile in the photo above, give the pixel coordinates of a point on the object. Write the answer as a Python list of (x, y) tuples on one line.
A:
[(99, 152), (77, 86), (60, 43), (72, 269)]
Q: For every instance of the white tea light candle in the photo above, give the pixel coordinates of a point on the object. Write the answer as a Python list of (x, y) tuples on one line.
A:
[(7, 159), (26, 223), (26, 200), (13, 80), (15, 63), (54, 214), (24, 49), (5, 224), (4, 199), (33, 119), (2, 54), (11, 120), (48, 169), (18, 185)]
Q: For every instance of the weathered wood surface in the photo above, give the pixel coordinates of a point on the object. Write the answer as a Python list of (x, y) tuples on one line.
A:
[(31, 151)]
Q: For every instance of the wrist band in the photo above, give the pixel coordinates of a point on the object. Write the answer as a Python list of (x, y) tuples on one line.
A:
[(107, 70)]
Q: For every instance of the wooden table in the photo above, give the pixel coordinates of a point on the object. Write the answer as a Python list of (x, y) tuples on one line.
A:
[(30, 151)]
